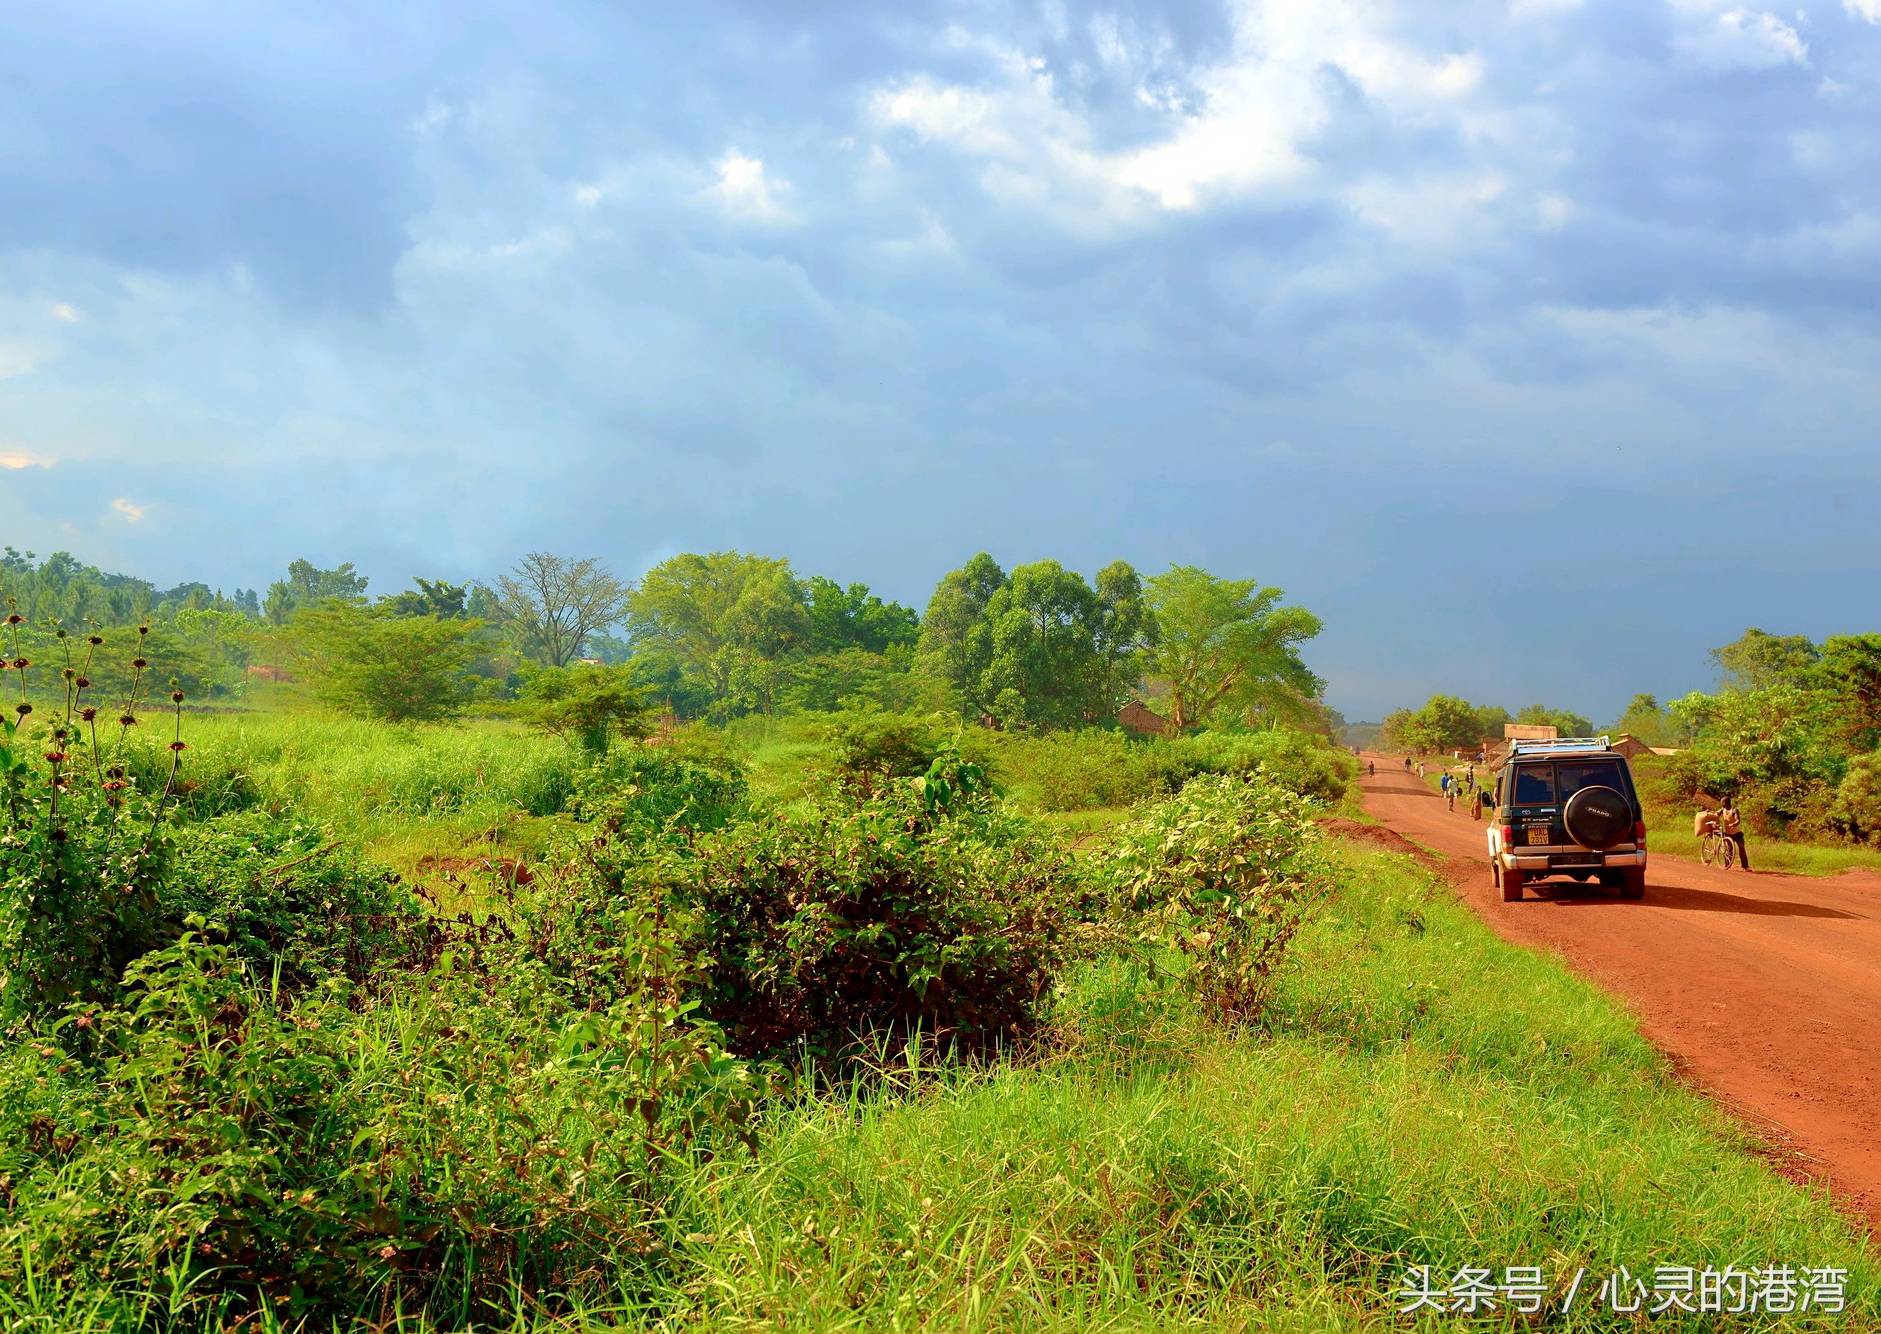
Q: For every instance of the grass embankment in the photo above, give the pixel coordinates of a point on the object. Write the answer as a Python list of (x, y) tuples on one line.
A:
[(1428, 1094)]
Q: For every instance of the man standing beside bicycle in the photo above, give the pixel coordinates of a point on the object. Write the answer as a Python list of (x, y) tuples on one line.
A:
[(1731, 825), (1720, 835)]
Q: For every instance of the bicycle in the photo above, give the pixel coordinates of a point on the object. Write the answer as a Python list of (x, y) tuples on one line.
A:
[(1716, 849)]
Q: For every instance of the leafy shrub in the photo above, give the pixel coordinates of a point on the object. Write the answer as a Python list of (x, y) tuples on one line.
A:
[(1857, 810), (926, 906), (644, 789), (208, 1142), (1069, 771), (589, 705), (871, 746), (1302, 763), (282, 893), (1226, 872)]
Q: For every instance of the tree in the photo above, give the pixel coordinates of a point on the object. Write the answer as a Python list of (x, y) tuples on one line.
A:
[(838, 618), (590, 705), (1444, 723), (1564, 722), (1850, 671), (307, 584), (1223, 643), (724, 618), (1756, 661), (955, 637), (442, 600), (364, 661), (1126, 628), (1044, 665), (551, 604)]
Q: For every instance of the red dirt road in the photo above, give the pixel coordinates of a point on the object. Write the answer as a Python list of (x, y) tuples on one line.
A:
[(1766, 988)]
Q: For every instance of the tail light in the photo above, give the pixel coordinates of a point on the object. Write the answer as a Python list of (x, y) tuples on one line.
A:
[(1639, 833), (1508, 835)]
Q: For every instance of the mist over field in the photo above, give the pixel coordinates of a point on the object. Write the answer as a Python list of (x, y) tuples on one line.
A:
[(1532, 345)]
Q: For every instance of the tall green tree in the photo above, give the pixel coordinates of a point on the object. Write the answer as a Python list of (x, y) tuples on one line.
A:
[(551, 604), (441, 599), (307, 584), (1849, 671), (726, 618), (364, 661), (1756, 660), (1564, 721), (956, 639), (1223, 644), (838, 618), (1044, 671)]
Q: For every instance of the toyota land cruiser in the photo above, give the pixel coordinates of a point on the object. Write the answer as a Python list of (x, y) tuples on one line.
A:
[(1567, 808)]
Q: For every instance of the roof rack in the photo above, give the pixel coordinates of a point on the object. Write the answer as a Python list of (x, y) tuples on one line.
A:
[(1560, 743)]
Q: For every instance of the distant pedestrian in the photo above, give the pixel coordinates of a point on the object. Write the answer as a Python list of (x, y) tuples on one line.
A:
[(1444, 785), (1476, 805), (1407, 764), (1731, 825), (1449, 799), (1371, 768)]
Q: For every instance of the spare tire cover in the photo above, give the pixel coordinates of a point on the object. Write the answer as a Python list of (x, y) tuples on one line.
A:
[(1598, 817)]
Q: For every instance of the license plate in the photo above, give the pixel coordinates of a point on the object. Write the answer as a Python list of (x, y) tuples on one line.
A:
[(1537, 837)]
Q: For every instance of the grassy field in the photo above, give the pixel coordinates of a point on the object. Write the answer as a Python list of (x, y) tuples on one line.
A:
[(1419, 1093), (1424, 1094)]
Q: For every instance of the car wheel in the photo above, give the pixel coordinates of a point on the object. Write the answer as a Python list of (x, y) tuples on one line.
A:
[(1634, 884), (1511, 886)]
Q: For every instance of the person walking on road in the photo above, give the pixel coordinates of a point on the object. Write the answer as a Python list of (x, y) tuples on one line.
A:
[(1371, 768), (1443, 785), (1731, 825)]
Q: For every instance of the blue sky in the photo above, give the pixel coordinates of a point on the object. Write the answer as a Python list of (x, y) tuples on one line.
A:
[(1534, 345)]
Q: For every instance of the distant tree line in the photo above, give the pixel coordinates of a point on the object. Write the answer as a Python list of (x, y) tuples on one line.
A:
[(720, 635)]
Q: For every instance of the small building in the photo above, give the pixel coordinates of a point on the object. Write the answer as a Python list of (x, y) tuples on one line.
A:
[(1136, 717), (1629, 745), (1529, 732)]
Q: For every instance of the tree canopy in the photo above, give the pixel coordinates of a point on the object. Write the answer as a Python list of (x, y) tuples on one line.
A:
[(1224, 646)]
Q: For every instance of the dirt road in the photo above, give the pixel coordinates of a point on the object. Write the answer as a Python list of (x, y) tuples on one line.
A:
[(1766, 987)]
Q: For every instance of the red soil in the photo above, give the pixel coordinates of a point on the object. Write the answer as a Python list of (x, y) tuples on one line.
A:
[(1765, 989)]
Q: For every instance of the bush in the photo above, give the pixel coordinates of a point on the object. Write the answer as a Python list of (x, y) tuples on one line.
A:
[(928, 907), (209, 1143), (872, 746), (640, 791), (1069, 771), (1226, 872), (282, 893), (1857, 809)]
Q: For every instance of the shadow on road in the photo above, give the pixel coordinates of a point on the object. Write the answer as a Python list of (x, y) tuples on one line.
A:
[(1680, 899)]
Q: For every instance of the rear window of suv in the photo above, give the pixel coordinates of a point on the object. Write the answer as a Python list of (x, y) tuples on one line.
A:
[(1546, 784), (1534, 785)]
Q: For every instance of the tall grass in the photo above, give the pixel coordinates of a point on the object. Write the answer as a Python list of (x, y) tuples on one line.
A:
[(1426, 1094), (341, 768)]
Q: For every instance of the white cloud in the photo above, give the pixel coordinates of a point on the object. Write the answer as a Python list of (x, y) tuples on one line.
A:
[(1255, 109), (744, 191), (15, 460), (65, 313), (1863, 9), (1720, 36), (132, 513)]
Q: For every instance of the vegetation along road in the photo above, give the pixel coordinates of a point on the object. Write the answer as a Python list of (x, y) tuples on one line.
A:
[(1765, 988)]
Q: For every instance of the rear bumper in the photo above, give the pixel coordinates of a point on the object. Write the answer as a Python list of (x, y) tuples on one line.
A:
[(1539, 861)]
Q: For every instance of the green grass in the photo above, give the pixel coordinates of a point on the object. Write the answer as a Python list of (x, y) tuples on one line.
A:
[(1669, 836), (408, 794), (1428, 1095)]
